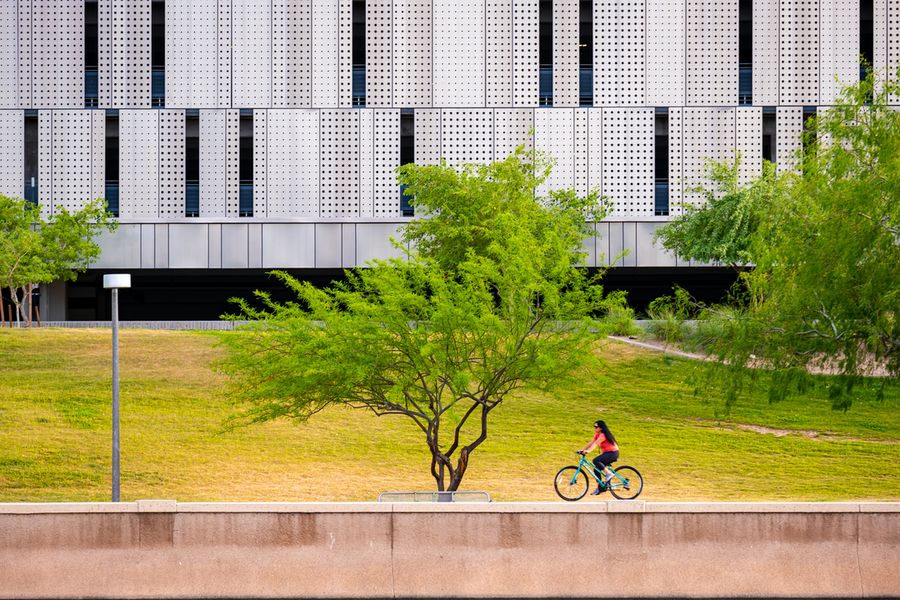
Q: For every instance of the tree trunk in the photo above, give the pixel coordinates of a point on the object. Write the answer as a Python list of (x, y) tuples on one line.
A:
[(30, 297), (14, 296), (2, 310)]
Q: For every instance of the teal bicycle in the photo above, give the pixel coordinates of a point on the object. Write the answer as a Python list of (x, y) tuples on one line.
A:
[(573, 482)]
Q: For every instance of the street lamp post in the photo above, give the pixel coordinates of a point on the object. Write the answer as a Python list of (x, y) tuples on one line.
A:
[(114, 283)]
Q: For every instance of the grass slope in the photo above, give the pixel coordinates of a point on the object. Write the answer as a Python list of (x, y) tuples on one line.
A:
[(55, 433)]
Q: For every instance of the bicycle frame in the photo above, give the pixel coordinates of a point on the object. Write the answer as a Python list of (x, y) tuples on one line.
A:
[(588, 466)]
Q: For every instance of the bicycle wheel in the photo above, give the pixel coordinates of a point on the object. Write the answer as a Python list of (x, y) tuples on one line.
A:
[(571, 483), (630, 488)]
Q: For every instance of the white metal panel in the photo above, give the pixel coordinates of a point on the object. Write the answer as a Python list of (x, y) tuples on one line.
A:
[(9, 55), (387, 159), (665, 53), (749, 141), (325, 52), (340, 163), (45, 161), (213, 162), (291, 65), (554, 133), (467, 136), (619, 53), (260, 164), (880, 34), (25, 31), (427, 124), (225, 47), (499, 52), (708, 135), (171, 164), (459, 53), (138, 164), (525, 52), (512, 128), (582, 151), (12, 159), (232, 162), (98, 154), (893, 39), (58, 53), (130, 54), (345, 78), (292, 140), (288, 245), (251, 53), (412, 53), (766, 66), (628, 160), (367, 162), (799, 58), (788, 140), (839, 47), (595, 149), (379, 52), (676, 159), (712, 52), (565, 53), (72, 155)]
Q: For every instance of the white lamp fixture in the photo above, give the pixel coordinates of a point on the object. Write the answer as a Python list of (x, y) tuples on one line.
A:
[(115, 282)]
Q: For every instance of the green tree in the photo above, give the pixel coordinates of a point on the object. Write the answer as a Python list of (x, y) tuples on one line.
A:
[(34, 250), (492, 302)]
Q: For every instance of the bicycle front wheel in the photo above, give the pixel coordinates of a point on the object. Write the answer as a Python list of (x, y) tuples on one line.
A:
[(628, 484), (571, 483)]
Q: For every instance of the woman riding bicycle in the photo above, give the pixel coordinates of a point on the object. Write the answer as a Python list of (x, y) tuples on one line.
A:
[(609, 453)]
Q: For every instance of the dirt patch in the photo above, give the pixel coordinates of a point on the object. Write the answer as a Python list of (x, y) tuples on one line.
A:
[(810, 434)]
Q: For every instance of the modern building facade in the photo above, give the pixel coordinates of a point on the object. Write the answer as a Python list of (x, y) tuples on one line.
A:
[(235, 136)]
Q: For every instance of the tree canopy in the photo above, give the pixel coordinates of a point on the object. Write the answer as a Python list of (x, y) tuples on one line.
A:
[(489, 301)]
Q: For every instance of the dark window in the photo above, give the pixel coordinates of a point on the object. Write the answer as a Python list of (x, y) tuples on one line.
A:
[(91, 55), (245, 169), (586, 53), (866, 37), (661, 162), (745, 52), (407, 154), (31, 156), (192, 163), (768, 133), (359, 53), (809, 129), (545, 53), (158, 54), (112, 162)]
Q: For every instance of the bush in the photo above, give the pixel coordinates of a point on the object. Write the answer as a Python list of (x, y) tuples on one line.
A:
[(618, 317)]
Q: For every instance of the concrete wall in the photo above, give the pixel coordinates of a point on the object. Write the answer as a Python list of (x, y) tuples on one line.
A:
[(160, 549)]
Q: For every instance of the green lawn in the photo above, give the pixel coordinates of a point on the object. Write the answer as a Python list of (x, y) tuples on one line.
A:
[(55, 433)]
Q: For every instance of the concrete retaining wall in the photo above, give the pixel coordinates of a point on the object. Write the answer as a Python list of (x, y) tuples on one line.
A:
[(160, 549)]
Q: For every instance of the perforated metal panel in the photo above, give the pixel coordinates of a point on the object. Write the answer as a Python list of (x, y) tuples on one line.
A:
[(459, 53), (379, 54), (192, 53), (595, 149), (233, 162), (225, 47), (665, 53), (213, 162), (748, 137), (525, 52), (260, 163), (292, 163), (880, 35), (467, 136), (251, 53), (499, 51), (387, 159), (582, 151), (619, 53), (366, 162), (766, 36), (412, 53), (893, 38), (291, 65), (57, 48), (799, 58), (554, 133), (340, 163), (139, 174), (45, 161), (126, 66), (325, 52), (427, 125), (12, 161), (9, 55), (345, 77), (72, 153), (565, 52), (25, 54), (708, 135), (628, 152), (676, 159), (98, 154), (171, 164), (788, 131), (712, 52), (839, 47), (512, 128)]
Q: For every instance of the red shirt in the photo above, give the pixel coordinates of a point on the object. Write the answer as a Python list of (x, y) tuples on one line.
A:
[(605, 444)]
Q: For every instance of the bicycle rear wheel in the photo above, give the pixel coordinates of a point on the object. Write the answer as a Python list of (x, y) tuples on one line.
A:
[(628, 484), (571, 483)]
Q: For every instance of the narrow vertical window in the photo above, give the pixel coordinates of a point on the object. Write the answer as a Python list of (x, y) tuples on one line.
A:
[(866, 37), (359, 53), (111, 178), (545, 53), (158, 54), (768, 134), (31, 156), (407, 153), (586, 53), (809, 131), (661, 162), (745, 53), (245, 168), (192, 163), (91, 54)]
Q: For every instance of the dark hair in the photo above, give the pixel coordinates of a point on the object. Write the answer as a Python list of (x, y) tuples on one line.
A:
[(606, 432)]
